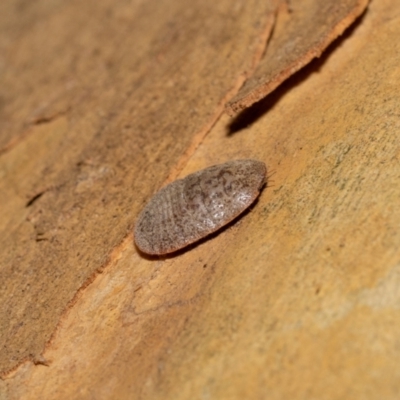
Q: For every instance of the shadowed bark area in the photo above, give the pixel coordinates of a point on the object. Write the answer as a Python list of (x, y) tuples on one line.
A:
[(304, 30)]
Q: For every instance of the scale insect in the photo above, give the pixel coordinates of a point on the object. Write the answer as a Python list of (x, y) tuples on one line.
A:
[(192, 208)]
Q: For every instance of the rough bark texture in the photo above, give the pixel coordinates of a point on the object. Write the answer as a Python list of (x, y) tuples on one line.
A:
[(100, 104), (303, 32), (298, 300)]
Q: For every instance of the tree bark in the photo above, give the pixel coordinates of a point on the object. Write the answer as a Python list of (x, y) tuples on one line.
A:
[(102, 104)]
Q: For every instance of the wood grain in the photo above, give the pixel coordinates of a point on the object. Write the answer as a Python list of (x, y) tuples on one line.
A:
[(299, 300)]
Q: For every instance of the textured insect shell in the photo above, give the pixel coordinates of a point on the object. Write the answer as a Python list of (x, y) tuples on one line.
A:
[(189, 209)]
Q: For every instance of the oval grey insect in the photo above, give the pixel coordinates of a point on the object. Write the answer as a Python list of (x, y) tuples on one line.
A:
[(189, 209)]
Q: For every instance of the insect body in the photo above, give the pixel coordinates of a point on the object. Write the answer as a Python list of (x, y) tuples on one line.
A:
[(189, 209)]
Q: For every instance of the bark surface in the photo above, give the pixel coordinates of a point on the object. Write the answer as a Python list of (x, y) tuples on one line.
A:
[(101, 106)]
